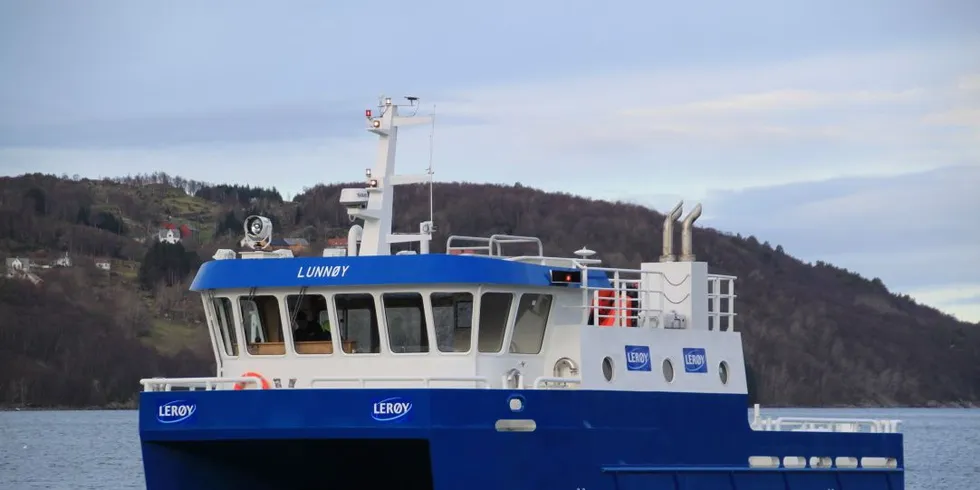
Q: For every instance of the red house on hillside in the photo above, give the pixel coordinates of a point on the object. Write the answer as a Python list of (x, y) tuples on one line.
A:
[(185, 231)]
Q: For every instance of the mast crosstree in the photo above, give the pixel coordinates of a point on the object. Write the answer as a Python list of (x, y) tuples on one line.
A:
[(374, 203)]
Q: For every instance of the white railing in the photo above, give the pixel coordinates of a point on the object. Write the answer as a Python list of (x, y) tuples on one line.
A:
[(648, 305), (418, 381), (823, 424), (570, 262), (721, 302), (549, 382), (625, 283), (490, 245), (215, 383), (209, 383)]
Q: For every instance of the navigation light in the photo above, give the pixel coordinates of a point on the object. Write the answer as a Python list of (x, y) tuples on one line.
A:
[(565, 277)]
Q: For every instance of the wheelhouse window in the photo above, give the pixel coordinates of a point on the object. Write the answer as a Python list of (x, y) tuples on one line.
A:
[(224, 321), (262, 322), (453, 317), (358, 323), (405, 315), (309, 321), (494, 313), (532, 317)]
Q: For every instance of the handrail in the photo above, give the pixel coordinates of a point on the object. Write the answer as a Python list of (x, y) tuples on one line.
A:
[(575, 262), (450, 247), (540, 381), (209, 383), (804, 423), (717, 311), (492, 243), (426, 382), (821, 424), (644, 311), (655, 299), (502, 238)]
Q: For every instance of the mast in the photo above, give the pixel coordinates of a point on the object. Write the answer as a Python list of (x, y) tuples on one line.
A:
[(374, 203)]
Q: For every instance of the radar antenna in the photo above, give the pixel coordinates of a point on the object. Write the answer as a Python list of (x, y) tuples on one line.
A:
[(413, 102)]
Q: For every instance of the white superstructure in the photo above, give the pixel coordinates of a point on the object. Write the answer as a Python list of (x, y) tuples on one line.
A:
[(667, 326)]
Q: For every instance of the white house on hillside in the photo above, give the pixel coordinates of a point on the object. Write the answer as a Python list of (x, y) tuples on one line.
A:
[(18, 264), (21, 268), (63, 261), (168, 235)]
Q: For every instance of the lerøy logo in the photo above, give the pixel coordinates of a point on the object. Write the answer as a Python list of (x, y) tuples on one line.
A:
[(695, 361), (175, 411), (637, 358), (390, 409)]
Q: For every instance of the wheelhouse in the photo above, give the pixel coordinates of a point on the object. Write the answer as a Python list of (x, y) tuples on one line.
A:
[(466, 320), (432, 321), (320, 333)]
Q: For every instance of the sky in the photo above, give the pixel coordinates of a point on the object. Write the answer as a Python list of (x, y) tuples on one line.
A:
[(847, 132)]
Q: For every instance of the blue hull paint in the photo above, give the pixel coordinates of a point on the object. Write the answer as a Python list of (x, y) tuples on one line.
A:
[(596, 440)]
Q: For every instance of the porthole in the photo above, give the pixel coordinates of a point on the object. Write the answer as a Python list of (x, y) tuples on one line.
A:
[(668, 369), (516, 403), (607, 368), (723, 372)]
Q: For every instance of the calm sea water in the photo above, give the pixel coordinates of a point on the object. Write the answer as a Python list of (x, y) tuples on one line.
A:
[(96, 449)]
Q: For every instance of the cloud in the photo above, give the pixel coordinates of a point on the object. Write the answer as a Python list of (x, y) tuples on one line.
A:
[(796, 112), (777, 100), (940, 199), (859, 113), (960, 300), (969, 83), (865, 214), (973, 300), (914, 231), (673, 130), (968, 117), (276, 123), (961, 107), (288, 165)]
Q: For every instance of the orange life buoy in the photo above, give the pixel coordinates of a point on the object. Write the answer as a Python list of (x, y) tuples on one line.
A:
[(629, 308), (250, 374), (602, 306), (608, 307)]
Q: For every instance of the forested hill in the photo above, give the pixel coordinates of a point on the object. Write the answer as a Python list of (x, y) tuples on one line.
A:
[(82, 335)]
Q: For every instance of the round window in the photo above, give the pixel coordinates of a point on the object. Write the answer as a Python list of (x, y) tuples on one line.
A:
[(607, 368), (723, 372), (668, 369)]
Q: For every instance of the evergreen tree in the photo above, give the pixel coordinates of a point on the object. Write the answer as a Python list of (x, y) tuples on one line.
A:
[(166, 262)]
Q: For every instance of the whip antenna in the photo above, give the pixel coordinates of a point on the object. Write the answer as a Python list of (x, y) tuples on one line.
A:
[(432, 135)]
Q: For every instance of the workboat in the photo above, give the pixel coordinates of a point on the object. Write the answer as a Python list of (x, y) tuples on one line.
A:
[(489, 365)]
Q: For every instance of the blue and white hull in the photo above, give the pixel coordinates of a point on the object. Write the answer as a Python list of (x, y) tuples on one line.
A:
[(523, 371), (459, 438)]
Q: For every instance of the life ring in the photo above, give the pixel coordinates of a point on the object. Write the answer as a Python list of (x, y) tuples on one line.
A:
[(250, 374), (602, 306), (630, 308), (608, 307)]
